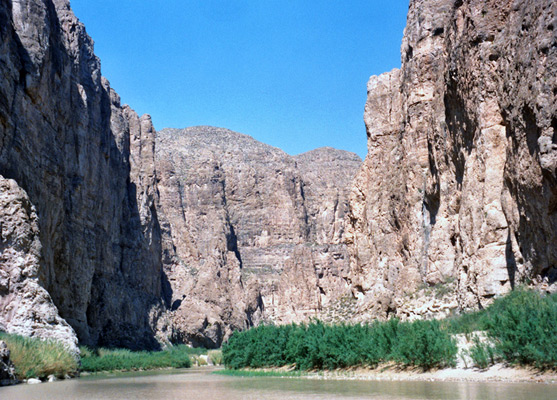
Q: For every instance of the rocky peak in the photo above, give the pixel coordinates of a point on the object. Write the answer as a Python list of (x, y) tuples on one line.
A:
[(255, 234)]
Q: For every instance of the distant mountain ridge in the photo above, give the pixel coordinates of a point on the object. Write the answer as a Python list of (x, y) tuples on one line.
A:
[(249, 230)]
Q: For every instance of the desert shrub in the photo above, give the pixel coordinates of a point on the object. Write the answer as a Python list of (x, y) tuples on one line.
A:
[(482, 353), (321, 346), (523, 326), (35, 358), (466, 323), (424, 344), (215, 356), (384, 338)]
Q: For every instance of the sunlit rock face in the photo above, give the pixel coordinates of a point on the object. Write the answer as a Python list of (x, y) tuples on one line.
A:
[(455, 202), (82, 166), (26, 308), (250, 234)]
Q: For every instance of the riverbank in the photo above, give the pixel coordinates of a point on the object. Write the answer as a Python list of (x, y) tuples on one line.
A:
[(390, 372), (201, 383), (31, 360), (517, 330)]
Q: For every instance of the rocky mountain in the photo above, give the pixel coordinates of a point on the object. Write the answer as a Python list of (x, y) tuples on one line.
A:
[(455, 203), (250, 233)]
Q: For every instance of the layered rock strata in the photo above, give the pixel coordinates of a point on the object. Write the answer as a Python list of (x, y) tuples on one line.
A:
[(250, 233), (87, 166), (455, 202)]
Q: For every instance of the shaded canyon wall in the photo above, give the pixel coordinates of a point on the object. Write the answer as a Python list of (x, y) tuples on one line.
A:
[(82, 168)]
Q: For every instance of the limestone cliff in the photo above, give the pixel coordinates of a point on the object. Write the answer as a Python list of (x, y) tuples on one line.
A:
[(81, 167), (249, 232), (456, 200)]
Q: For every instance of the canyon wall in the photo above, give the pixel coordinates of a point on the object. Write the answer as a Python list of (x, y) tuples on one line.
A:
[(80, 234), (456, 201), (250, 234)]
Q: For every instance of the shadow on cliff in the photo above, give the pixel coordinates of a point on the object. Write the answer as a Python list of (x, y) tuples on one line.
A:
[(107, 285), (535, 199)]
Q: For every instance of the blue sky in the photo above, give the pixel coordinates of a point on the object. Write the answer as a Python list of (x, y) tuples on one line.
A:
[(289, 73)]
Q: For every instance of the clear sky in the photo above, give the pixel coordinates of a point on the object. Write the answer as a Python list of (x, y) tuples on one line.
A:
[(290, 73)]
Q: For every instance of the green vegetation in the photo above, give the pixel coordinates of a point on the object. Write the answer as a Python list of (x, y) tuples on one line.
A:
[(482, 353), (125, 360), (466, 323), (321, 346), (424, 344), (35, 358), (521, 328)]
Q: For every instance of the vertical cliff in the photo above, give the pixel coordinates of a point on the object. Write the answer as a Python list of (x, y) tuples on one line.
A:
[(250, 233), (455, 202), (87, 166)]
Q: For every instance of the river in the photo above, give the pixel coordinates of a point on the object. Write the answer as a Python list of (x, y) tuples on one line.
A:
[(202, 384)]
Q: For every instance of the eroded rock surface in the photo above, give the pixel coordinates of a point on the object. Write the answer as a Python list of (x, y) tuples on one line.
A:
[(7, 369), (455, 202), (26, 308), (250, 233), (87, 166)]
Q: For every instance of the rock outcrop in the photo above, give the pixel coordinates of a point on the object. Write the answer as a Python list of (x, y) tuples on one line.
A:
[(26, 308), (7, 369), (455, 203), (250, 233), (87, 166)]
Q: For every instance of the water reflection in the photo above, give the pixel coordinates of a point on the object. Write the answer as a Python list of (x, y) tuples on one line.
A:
[(201, 384)]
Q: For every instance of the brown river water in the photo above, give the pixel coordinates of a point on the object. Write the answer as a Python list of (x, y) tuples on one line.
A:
[(202, 384)]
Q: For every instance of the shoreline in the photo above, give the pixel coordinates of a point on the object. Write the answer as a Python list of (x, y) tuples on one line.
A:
[(496, 373)]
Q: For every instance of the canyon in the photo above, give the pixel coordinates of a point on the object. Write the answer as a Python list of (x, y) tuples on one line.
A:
[(114, 234)]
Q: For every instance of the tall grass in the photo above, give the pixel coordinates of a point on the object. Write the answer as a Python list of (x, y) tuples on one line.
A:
[(215, 356), (35, 358), (96, 360)]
